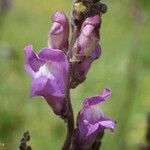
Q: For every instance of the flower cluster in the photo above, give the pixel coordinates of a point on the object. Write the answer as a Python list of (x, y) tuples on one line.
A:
[(63, 65), (49, 67)]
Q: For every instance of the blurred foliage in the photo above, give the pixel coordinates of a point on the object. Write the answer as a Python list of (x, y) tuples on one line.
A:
[(145, 3), (123, 66)]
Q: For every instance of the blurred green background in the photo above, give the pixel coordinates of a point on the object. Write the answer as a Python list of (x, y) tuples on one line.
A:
[(124, 67)]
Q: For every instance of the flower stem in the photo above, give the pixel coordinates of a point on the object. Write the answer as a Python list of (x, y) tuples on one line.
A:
[(69, 113)]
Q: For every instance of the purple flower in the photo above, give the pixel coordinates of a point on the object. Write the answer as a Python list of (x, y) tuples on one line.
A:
[(81, 69), (59, 33), (91, 121), (88, 39), (49, 69)]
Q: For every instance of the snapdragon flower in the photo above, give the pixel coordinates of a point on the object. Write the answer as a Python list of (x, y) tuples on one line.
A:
[(91, 122), (59, 32), (49, 70), (88, 38), (81, 69)]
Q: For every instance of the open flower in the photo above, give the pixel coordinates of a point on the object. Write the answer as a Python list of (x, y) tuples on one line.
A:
[(59, 32), (91, 121), (88, 39), (82, 68), (49, 69)]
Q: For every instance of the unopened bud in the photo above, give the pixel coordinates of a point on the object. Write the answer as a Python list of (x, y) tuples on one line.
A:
[(59, 33), (79, 10), (88, 39), (81, 69)]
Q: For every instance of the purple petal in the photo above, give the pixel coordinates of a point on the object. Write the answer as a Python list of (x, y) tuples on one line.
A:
[(43, 86), (58, 104), (87, 30), (32, 62), (58, 60), (106, 93), (55, 55), (88, 39), (96, 52), (107, 123), (56, 36), (51, 92), (90, 136), (60, 17), (94, 21), (83, 68), (38, 86), (56, 28), (59, 33), (82, 127), (92, 114), (98, 99), (92, 128)]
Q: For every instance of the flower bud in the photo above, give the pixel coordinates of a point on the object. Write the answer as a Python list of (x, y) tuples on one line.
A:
[(59, 32), (79, 10), (88, 38), (81, 69)]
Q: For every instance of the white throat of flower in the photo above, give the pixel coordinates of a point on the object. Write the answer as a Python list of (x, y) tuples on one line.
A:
[(46, 70), (93, 113)]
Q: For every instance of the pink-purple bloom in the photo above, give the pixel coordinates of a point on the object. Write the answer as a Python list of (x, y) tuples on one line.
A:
[(91, 121), (59, 32), (82, 68), (88, 38), (49, 70)]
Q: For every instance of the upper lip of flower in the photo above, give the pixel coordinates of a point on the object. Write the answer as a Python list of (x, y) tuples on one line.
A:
[(56, 29), (88, 29), (55, 57), (91, 116), (49, 63)]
